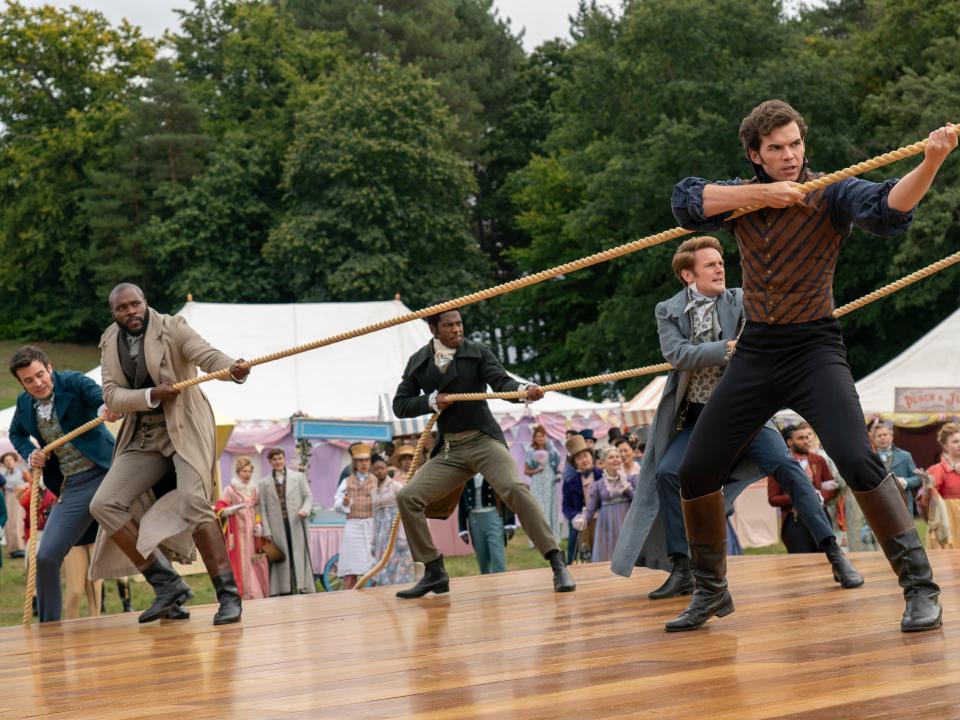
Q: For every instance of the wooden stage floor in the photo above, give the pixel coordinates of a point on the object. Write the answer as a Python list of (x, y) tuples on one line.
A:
[(505, 646)]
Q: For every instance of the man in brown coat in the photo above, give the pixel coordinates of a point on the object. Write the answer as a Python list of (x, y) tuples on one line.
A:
[(142, 355)]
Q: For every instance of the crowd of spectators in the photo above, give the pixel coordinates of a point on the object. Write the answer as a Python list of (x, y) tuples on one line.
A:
[(931, 495), (589, 484)]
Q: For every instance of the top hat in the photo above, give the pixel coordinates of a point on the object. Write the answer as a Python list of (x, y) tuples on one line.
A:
[(576, 445), (360, 452)]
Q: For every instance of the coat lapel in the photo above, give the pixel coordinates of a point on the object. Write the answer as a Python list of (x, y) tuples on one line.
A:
[(729, 315), (61, 396), (449, 374), (110, 356), (466, 350), (675, 306), (434, 376), (153, 347), (293, 493)]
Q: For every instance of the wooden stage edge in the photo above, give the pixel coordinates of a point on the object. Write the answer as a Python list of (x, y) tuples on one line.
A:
[(506, 646)]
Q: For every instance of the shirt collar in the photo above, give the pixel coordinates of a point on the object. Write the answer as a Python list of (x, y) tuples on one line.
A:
[(763, 177)]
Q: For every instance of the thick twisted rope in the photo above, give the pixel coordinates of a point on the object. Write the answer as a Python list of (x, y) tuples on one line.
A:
[(897, 285), (649, 241), (848, 172), (566, 268), (395, 527), (526, 281), (32, 548), (31, 590), (882, 292)]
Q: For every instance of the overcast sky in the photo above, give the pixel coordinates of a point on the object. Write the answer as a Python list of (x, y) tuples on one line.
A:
[(543, 19)]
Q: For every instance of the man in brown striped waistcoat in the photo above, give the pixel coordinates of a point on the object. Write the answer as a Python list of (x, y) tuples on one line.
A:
[(791, 352)]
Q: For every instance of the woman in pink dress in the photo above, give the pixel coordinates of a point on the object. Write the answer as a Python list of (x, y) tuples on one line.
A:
[(237, 509)]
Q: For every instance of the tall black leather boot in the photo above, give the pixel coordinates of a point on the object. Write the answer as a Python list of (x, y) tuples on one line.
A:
[(562, 580), (213, 549), (435, 580), (170, 588), (679, 581), (886, 511), (706, 521), (843, 570)]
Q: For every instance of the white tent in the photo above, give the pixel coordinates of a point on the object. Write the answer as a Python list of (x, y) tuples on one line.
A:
[(932, 361), (343, 381), (640, 409)]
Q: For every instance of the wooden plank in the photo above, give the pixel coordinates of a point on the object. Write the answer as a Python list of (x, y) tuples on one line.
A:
[(507, 646)]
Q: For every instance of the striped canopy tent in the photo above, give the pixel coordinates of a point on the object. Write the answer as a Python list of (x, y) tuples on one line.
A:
[(933, 361), (401, 426), (640, 409)]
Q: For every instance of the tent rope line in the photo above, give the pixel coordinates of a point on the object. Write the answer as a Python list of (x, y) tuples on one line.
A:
[(619, 251), (850, 307)]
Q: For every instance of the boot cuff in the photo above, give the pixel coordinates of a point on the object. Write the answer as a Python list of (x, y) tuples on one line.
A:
[(885, 510), (706, 519)]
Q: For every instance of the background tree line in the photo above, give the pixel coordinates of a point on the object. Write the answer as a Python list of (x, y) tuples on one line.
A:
[(343, 150)]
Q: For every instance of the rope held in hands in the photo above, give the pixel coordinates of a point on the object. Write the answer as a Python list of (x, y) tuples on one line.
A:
[(882, 292), (516, 284)]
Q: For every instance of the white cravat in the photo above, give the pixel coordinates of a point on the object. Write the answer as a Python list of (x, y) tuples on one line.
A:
[(442, 355)]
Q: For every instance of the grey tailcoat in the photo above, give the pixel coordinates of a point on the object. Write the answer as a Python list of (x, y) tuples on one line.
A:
[(298, 497), (642, 540)]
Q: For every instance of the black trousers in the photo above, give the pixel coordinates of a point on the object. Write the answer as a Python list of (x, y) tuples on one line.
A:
[(802, 366), (795, 535)]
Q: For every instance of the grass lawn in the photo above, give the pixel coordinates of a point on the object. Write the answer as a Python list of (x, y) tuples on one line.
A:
[(63, 356), (13, 579)]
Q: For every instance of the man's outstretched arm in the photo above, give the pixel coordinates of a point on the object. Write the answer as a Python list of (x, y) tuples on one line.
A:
[(908, 193)]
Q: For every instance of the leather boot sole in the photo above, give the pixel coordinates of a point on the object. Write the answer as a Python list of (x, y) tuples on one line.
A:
[(846, 585), (923, 627), (177, 612), (226, 621), (725, 609), (161, 611), (658, 594), (414, 593)]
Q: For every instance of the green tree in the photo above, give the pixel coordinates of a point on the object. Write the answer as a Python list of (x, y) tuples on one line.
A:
[(462, 44), (210, 243), (651, 96), (250, 68), (376, 201), (65, 81), (478, 64), (161, 145)]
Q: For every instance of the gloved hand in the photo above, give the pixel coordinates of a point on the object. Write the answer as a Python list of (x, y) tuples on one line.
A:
[(258, 530), (509, 531), (465, 536), (579, 523), (902, 481), (830, 485)]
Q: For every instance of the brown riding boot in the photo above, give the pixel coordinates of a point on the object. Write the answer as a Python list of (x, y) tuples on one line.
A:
[(886, 512), (170, 588), (213, 549), (706, 521)]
